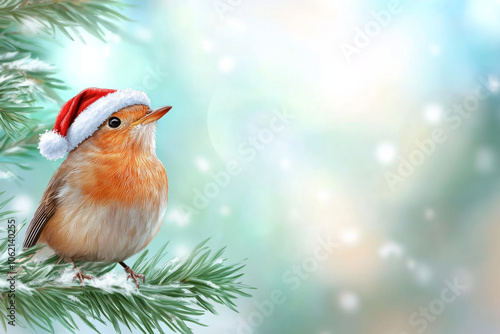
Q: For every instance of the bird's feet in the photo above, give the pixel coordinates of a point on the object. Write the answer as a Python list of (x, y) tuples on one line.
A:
[(81, 276), (135, 276)]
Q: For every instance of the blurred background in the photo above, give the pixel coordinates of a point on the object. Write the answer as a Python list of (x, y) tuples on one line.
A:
[(347, 149)]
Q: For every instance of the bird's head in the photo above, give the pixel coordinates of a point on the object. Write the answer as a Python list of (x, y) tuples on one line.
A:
[(131, 128), (105, 121)]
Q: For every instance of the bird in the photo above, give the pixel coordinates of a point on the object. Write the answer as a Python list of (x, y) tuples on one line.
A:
[(107, 200)]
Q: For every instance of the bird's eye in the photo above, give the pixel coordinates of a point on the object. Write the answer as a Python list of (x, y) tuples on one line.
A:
[(114, 122)]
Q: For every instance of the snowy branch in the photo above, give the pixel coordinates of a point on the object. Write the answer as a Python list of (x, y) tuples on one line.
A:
[(26, 81), (176, 293)]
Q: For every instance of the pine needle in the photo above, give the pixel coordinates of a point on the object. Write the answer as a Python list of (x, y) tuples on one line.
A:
[(175, 294)]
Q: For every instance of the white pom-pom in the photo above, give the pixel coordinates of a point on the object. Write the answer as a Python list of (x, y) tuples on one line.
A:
[(52, 145)]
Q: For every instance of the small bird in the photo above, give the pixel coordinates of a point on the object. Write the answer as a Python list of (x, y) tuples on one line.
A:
[(107, 200)]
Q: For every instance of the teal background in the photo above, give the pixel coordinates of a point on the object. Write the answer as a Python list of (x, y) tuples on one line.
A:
[(337, 170)]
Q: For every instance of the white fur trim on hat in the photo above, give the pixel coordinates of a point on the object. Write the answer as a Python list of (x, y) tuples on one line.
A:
[(53, 146), (91, 118)]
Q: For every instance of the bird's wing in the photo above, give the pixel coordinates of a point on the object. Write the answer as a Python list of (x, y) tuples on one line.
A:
[(45, 209)]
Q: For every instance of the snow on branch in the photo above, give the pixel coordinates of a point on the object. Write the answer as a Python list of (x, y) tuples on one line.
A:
[(175, 295)]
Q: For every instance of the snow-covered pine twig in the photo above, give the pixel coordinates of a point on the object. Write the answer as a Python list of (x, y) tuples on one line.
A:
[(175, 294), (23, 81), (31, 17), (26, 81)]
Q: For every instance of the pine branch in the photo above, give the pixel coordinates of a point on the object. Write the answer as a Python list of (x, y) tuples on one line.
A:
[(25, 81), (67, 16), (13, 152), (176, 293)]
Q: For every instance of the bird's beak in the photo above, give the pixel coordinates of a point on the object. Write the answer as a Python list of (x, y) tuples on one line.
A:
[(152, 115)]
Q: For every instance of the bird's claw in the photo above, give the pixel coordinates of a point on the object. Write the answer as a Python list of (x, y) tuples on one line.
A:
[(135, 276), (81, 276)]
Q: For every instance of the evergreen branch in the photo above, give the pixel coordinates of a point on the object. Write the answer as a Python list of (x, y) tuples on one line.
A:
[(14, 151), (23, 81), (14, 41), (94, 16), (175, 294)]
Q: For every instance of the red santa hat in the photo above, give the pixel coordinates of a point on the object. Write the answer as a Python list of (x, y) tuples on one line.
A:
[(81, 116)]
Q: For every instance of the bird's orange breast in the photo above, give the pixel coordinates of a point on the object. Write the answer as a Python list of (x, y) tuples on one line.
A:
[(111, 196), (128, 179), (111, 206)]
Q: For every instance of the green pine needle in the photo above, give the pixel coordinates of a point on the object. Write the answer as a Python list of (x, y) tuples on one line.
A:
[(175, 295), (25, 81)]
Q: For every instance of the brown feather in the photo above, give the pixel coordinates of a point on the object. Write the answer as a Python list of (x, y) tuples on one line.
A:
[(107, 200), (45, 210)]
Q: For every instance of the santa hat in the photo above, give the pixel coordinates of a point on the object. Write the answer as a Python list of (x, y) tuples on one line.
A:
[(80, 117)]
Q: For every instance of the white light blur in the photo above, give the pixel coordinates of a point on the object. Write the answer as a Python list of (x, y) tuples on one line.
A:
[(207, 46), (236, 24), (433, 113), (484, 15), (107, 51), (429, 214), (323, 195), (423, 274), (493, 83), (181, 251), (203, 164), (23, 203), (143, 34), (349, 237), (349, 301), (485, 160), (225, 210), (92, 60), (386, 153), (434, 49), (391, 249), (178, 217), (285, 164), (411, 264), (226, 64)]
